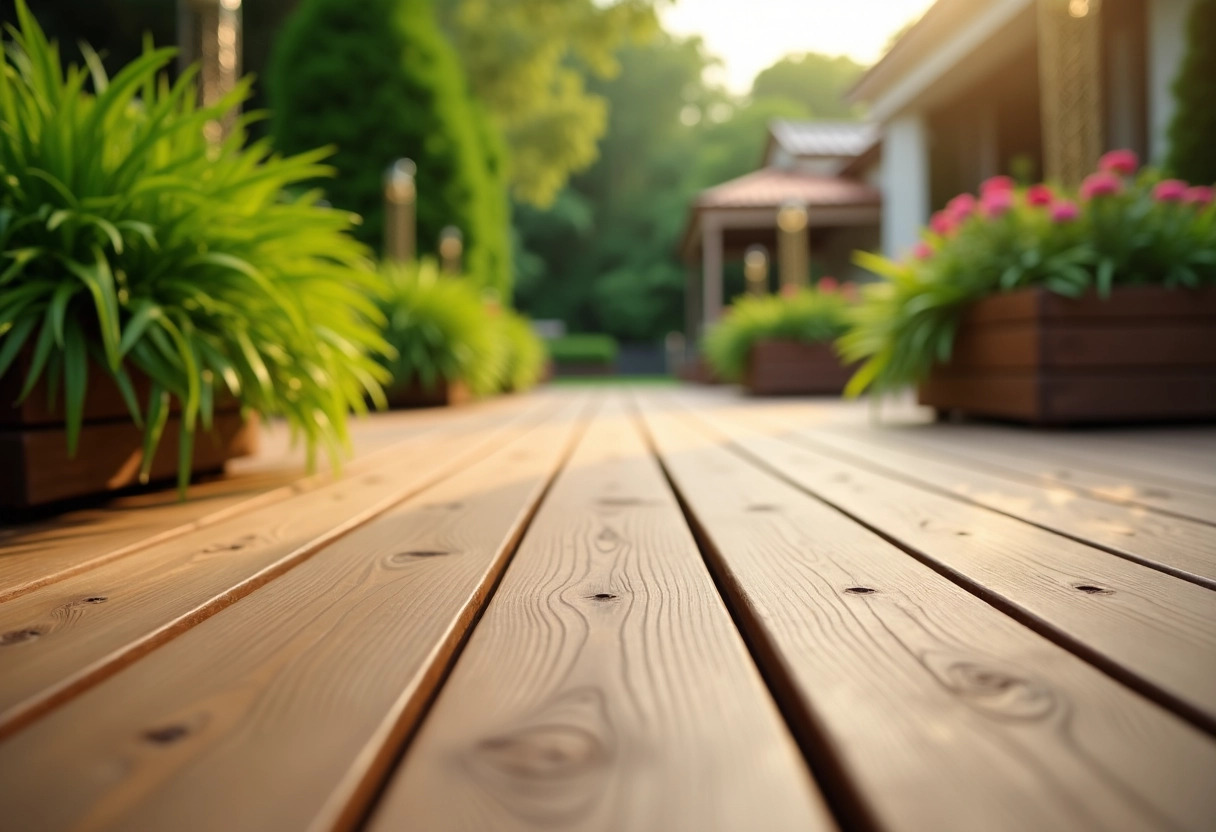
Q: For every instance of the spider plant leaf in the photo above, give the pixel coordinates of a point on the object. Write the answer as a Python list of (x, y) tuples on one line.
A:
[(154, 428), (14, 340), (75, 385), (42, 351), (122, 380)]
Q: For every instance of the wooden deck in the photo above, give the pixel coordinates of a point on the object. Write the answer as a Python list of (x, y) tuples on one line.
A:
[(647, 609)]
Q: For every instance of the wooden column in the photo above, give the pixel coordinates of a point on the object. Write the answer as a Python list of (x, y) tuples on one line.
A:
[(209, 33), (793, 246), (1070, 80), (711, 269)]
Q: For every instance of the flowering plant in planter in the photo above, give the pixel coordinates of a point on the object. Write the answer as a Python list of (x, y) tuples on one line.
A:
[(810, 316), (1122, 227), (135, 244)]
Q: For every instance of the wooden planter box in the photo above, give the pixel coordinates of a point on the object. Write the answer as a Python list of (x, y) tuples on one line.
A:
[(1144, 354), (790, 368), (414, 394), (698, 371), (34, 465)]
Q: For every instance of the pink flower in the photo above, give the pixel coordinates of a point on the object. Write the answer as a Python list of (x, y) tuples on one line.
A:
[(996, 184), (996, 203), (1039, 195), (961, 207), (922, 251), (849, 290), (1100, 184), (1064, 211), (1199, 195), (1122, 162), (943, 222), (828, 284), (1170, 190)]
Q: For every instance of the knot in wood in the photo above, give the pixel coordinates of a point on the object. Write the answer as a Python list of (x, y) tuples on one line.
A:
[(1090, 589), (544, 752), (998, 693), (19, 636), (166, 735), (763, 507), (602, 596), (860, 590)]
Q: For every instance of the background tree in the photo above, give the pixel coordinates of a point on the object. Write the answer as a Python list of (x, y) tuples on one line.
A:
[(1193, 132), (377, 80), (818, 82), (527, 61)]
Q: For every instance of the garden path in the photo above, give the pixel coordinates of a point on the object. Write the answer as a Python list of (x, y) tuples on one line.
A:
[(635, 609)]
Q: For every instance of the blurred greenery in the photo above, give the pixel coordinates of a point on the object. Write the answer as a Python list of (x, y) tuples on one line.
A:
[(583, 348), (1193, 132), (815, 81), (378, 80)]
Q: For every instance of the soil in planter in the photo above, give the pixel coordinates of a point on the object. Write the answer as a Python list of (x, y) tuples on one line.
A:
[(1146, 354)]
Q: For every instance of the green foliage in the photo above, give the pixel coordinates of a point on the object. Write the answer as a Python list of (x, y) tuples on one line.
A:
[(1136, 236), (526, 61), (1193, 132), (129, 241), (441, 329), (818, 82), (377, 80), (524, 362), (808, 315), (583, 349)]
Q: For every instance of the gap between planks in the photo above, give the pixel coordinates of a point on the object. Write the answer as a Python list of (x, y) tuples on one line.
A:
[(924, 707), (1150, 630), (64, 637), (284, 710)]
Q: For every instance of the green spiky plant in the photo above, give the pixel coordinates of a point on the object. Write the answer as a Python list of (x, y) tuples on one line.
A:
[(131, 241), (441, 329), (525, 353), (809, 315)]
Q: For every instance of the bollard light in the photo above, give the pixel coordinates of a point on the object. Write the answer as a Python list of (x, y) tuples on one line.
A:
[(755, 269), (400, 196), (793, 246), (451, 248)]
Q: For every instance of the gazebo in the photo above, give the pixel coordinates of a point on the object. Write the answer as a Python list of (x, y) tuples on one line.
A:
[(818, 167)]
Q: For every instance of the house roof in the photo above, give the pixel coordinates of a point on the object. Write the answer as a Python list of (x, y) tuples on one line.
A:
[(772, 187), (822, 138)]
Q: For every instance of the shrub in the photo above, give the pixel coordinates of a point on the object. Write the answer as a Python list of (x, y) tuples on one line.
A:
[(1118, 229), (583, 349), (1193, 132), (376, 79), (525, 353), (808, 315), (441, 329), (129, 240)]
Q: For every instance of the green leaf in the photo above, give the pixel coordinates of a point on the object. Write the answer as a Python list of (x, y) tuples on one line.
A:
[(14, 340), (75, 385), (158, 416)]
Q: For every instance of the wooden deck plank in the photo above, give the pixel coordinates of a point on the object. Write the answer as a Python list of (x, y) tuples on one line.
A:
[(338, 658), (936, 711), (1009, 453), (1180, 547), (1152, 630), (65, 636), (606, 686), (36, 554)]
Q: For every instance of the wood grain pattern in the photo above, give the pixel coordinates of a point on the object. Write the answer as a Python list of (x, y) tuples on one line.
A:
[(1181, 547), (61, 638), (282, 711), (606, 687), (1040, 465), (939, 712), (1154, 630), (36, 554)]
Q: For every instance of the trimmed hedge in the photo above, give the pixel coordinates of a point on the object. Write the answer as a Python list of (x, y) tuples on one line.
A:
[(583, 349), (377, 79), (1193, 132)]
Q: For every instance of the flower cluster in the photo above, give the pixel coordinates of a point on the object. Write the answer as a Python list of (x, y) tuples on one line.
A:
[(1124, 225)]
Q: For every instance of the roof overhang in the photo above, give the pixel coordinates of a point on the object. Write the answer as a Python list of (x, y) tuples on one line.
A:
[(927, 64)]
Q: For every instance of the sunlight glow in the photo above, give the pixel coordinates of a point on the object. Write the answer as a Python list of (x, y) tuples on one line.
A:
[(750, 35)]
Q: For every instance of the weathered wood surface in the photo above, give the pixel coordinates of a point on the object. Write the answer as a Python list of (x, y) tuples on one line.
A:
[(337, 659), (878, 624), (996, 706), (625, 698)]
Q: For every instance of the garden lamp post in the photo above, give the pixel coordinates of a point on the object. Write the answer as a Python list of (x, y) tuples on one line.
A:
[(400, 196), (755, 269), (209, 33), (451, 247), (793, 246)]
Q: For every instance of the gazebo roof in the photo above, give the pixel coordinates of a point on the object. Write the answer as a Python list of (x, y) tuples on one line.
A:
[(823, 138), (771, 187)]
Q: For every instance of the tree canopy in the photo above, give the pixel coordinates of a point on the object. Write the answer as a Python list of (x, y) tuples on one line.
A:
[(1193, 132), (818, 82)]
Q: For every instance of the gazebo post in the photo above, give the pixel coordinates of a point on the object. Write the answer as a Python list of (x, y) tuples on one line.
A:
[(793, 246), (711, 269)]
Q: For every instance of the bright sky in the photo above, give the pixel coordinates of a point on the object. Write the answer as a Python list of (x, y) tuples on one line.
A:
[(749, 35)]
